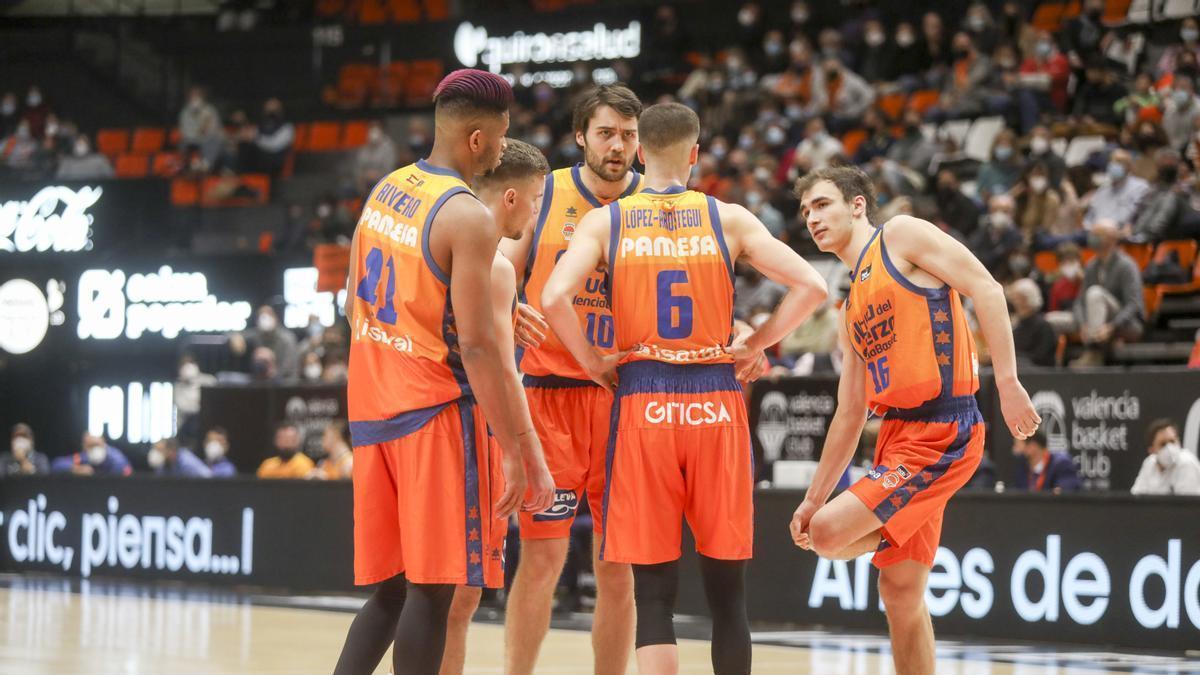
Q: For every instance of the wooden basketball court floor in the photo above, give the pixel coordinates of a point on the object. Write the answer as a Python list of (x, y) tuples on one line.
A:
[(67, 627)]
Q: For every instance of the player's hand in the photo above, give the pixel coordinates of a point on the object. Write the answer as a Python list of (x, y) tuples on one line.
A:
[(531, 328), (603, 370), (540, 494), (747, 362), (514, 485), (1019, 414), (799, 526)]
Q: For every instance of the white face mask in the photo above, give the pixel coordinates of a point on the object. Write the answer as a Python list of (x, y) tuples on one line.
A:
[(21, 447), (155, 458), (1071, 270), (266, 323), (1167, 455), (312, 371), (97, 454), (905, 39), (1039, 145), (189, 371), (1038, 184), (213, 450)]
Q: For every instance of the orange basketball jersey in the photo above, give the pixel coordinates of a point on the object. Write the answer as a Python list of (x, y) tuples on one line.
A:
[(566, 201), (915, 341), (671, 278), (404, 360)]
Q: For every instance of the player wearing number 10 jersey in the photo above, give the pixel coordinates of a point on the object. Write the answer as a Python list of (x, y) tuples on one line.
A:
[(679, 441)]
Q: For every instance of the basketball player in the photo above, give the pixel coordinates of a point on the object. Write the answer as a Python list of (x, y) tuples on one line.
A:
[(909, 357), (679, 441), (424, 350), (570, 412), (512, 193)]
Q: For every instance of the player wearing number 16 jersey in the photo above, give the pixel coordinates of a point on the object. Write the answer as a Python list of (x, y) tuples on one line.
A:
[(679, 442)]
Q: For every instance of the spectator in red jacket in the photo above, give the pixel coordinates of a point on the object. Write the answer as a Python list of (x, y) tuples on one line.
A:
[(1043, 82)]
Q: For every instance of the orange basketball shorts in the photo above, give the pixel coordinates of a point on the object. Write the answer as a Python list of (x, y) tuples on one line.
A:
[(571, 419), (924, 455), (680, 448), (423, 504)]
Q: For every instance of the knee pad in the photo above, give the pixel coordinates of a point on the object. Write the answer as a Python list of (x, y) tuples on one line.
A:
[(654, 588)]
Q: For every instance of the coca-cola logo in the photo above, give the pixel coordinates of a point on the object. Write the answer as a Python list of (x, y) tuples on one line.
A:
[(55, 219)]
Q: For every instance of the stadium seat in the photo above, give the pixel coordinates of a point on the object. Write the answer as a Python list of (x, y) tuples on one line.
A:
[(148, 140), (852, 140), (112, 142), (354, 85), (1177, 9), (174, 137), (1081, 147), (1151, 298), (1046, 262), (892, 105), (956, 130), (1086, 255), (983, 132), (323, 136), (166, 164), (1138, 12), (423, 78), (300, 140), (1141, 253), (354, 134), (1184, 248), (923, 100), (392, 78), (185, 192), (332, 262), (132, 166)]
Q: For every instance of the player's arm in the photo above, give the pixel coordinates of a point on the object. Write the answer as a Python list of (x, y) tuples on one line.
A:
[(779, 263), (472, 242), (922, 244), (845, 430), (531, 327), (504, 293), (584, 254)]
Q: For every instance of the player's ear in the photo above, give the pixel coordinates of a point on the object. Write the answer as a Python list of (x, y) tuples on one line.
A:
[(579, 139), (694, 156), (475, 140), (641, 154), (510, 198)]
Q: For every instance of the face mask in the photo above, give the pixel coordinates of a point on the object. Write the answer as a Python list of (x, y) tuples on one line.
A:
[(81, 149), (312, 371), (97, 454), (189, 371), (8, 108), (753, 200), (51, 129), (1168, 175), (762, 174), (775, 136), (1039, 145), (795, 112), (266, 323), (1167, 455), (1190, 34), (155, 459), (1003, 153), (374, 134), (213, 450), (1044, 49), (977, 23), (1000, 221), (1007, 64), (542, 140), (1020, 266), (323, 211), (961, 53), (746, 17), (773, 48), (1116, 171), (34, 100), (416, 140), (1071, 270), (905, 39), (23, 131), (21, 446), (1181, 97), (832, 73), (718, 151), (800, 15), (875, 38), (287, 453), (1093, 241), (745, 141), (1038, 184)]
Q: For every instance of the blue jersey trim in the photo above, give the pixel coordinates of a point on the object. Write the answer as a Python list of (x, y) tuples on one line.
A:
[(424, 165), (382, 431), (427, 228)]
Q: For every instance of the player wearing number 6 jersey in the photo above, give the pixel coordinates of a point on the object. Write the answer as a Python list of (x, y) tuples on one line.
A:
[(428, 508), (679, 442), (909, 356), (570, 412)]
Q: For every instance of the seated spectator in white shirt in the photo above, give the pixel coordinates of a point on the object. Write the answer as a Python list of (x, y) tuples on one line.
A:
[(1118, 199), (1169, 469), (83, 164)]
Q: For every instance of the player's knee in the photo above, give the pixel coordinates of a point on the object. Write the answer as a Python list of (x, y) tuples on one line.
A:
[(614, 580), (825, 535), (901, 594), (541, 561), (466, 601)]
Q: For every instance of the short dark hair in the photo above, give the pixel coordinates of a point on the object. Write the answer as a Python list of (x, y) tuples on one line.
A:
[(21, 429), (287, 425), (220, 431), (1156, 426), (1038, 438), (519, 161), (663, 125), (851, 181), (171, 443), (616, 96), (471, 91)]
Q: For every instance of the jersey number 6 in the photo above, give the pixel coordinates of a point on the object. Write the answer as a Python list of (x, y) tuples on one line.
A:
[(674, 311)]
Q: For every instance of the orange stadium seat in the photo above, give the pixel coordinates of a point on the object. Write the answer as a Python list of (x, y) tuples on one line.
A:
[(174, 137), (323, 136), (1086, 255), (132, 166), (332, 262), (852, 140), (355, 82), (1184, 248), (392, 79), (423, 78), (166, 164), (923, 100), (112, 141), (1141, 253), (892, 105), (300, 140), (354, 134), (148, 140), (1151, 298), (185, 192), (1046, 262)]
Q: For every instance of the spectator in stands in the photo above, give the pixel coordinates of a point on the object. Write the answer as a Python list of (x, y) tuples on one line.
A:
[(83, 164), (774, 56), (420, 136), (815, 337), (282, 343), (1064, 288), (1083, 34), (1042, 82), (997, 238), (97, 458), (1042, 470), (1189, 35), (1033, 336), (1182, 110), (909, 59), (879, 138), (275, 138), (240, 149), (338, 463), (19, 151), (23, 459), (1119, 198), (1039, 205), (1096, 98), (984, 478), (1141, 103), (1112, 305), (310, 371), (753, 290), (935, 43), (288, 462), (958, 211), (1041, 151), (964, 93), (187, 397), (166, 458), (1161, 212), (331, 223), (10, 114), (875, 56), (60, 137), (912, 149), (846, 94), (337, 365), (1148, 139), (200, 129), (981, 26), (216, 449), (818, 147), (1169, 469), (36, 111), (264, 366), (1001, 173), (374, 160)]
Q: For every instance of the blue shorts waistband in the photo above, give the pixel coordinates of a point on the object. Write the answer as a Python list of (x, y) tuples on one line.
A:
[(381, 431), (950, 409), (641, 377), (555, 382)]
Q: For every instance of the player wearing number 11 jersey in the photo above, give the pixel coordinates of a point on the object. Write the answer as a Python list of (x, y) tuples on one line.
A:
[(679, 441)]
